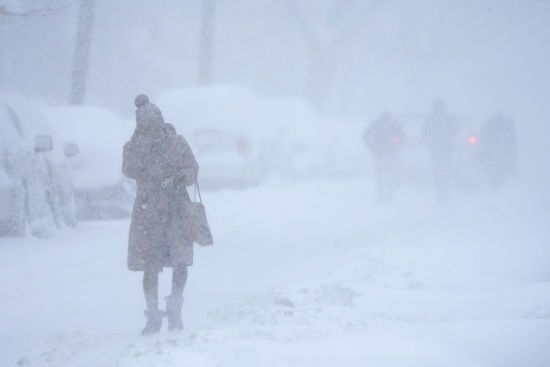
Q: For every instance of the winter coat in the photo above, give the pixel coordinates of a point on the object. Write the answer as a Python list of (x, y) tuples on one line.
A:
[(163, 165), (384, 138)]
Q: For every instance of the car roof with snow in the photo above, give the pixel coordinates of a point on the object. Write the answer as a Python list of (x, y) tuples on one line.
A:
[(234, 108), (100, 135)]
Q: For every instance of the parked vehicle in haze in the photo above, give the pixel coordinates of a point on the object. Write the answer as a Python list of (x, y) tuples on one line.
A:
[(225, 157), (100, 188), (241, 139), (36, 189)]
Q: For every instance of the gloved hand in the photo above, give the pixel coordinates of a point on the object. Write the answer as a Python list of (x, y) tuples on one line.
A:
[(167, 182)]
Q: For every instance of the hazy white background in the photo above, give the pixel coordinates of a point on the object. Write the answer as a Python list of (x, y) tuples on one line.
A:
[(461, 285)]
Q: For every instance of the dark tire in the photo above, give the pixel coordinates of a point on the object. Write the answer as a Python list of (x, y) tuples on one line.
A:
[(18, 223)]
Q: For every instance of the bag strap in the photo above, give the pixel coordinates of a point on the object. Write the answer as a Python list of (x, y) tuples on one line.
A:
[(197, 190)]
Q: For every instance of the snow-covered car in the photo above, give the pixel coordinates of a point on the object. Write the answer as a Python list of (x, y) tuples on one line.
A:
[(241, 139), (36, 191), (213, 122), (102, 192), (225, 158)]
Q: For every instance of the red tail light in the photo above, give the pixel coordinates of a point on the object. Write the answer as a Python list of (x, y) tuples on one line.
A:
[(473, 140), (243, 145), (396, 140)]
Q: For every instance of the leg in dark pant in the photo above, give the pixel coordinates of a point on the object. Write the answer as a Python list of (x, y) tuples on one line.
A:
[(179, 278), (175, 300), (150, 290)]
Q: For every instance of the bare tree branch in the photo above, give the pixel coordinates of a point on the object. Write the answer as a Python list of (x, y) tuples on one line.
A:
[(309, 34), (36, 13), (343, 36), (356, 23), (324, 54)]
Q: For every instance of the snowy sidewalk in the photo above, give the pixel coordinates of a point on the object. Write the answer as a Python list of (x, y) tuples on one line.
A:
[(301, 275)]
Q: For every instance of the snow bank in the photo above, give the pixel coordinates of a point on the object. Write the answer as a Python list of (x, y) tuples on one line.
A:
[(342, 283)]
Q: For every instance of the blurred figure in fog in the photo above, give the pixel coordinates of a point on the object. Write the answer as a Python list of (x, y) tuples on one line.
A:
[(440, 132), (162, 164), (498, 149), (384, 139)]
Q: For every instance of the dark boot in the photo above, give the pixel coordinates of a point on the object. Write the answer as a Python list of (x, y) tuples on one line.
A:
[(154, 322), (173, 312)]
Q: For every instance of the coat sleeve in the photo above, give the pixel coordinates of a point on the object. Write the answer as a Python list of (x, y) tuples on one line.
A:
[(138, 160), (131, 162), (185, 166)]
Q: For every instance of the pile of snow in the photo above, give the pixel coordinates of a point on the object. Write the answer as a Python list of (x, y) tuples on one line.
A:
[(343, 283)]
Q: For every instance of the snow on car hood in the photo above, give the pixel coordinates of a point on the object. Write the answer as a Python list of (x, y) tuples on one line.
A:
[(100, 135)]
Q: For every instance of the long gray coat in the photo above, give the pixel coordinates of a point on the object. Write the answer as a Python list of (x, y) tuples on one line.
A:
[(160, 232)]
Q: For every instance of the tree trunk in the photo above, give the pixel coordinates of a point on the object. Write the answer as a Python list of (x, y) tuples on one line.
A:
[(4, 47), (206, 42), (82, 52)]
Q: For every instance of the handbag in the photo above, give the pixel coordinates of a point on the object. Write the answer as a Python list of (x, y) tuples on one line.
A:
[(202, 234)]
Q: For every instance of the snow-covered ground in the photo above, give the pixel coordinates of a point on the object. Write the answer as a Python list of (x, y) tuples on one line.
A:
[(305, 274)]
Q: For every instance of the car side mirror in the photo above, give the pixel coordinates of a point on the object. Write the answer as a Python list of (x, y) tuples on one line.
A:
[(43, 143), (71, 150)]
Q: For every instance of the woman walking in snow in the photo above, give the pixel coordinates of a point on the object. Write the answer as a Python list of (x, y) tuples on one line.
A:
[(163, 165)]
